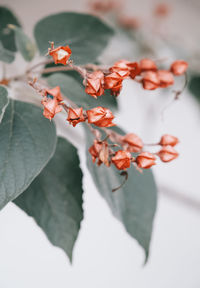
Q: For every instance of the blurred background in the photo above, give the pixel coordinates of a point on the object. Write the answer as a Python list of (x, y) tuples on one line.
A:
[(104, 255)]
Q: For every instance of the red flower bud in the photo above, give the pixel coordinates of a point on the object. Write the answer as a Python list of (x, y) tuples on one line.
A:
[(131, 68), (168, 140), (104, 154), (147, 65), (100, 150), (95, 82), (55, 92), (114, 80), (61, 54), (167, 153), (179, 67), (121, 65), (75, 116), (51, 107), (100, 116), (166, 78), (134, 69), (122, 159), (145, 160), (134, 142), (150, 80), (129, 22), (162, 10), (95, 149), (103, 6)]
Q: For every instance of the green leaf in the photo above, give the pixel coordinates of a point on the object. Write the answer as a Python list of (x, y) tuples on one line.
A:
[(134, 204), (75, 91), (3, 101), (54, 198), (194, 86), (27, 143), (6, 55), (86, 35), (24, 44), (7, 35)]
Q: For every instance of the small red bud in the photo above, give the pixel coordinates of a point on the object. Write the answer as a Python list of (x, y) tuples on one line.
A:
[(168, 140), (150, 80), (145, 160), (147, 65), (162, 10), (129, 22), (55, 92), (60, 54), (51, 107), (100, 116), (100, 150), (95, 82), (114, 80), (134, 142), (103, 6), (179, 67), (128, 68), (166, 78), (75, 116), (95, 149), (167, 153), (122, 159)]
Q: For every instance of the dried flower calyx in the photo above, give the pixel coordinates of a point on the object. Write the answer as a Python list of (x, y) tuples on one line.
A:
[(145, 160), (168, 153), (100, 116), (131, 143), (95, 84), (75, 116), (51, 102), (60, 54)]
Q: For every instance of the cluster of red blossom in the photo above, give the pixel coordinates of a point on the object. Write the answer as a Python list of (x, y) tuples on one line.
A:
[(131, 143), (53, 103), (146, 70), (149, 75), (96, 83), (101, 7)]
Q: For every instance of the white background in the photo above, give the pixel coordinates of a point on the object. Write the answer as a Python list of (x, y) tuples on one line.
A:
[(105, 256)]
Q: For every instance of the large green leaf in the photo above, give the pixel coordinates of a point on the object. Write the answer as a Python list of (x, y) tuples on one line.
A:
[(86, 35), (24, 44), (6, 55), (134, 204), (73, 90), (7, 35), (3, 101), (54, 198), (27, 143), (194, 86)]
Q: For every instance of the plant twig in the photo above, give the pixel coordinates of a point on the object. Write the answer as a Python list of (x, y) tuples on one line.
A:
[(176, 96)]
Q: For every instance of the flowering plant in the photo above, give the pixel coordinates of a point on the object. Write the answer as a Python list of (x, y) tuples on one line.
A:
[(40, 171)]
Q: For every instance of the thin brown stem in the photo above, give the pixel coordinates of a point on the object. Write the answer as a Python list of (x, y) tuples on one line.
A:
[(95, 67), (151, 144), (176, 96), (70, 67), (49, 61), (125, 175)]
